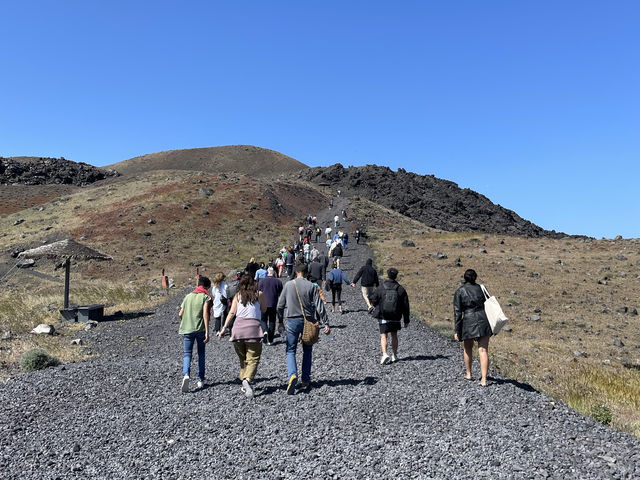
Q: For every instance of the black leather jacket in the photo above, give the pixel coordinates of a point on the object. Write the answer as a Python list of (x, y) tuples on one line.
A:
[(468, 310)]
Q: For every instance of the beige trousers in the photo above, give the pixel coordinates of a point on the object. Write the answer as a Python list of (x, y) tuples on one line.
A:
[(366, 291), (249, 356)]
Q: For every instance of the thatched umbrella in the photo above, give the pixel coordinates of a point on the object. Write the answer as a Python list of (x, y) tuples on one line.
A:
[(65, 249)]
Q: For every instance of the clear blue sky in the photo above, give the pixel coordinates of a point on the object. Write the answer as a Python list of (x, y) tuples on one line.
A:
[(533, 104)]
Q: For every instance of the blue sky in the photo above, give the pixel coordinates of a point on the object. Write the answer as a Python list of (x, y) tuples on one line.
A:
[(534, 104)]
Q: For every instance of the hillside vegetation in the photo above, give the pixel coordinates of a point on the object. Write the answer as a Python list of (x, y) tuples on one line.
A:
[(574, 329), (246, 159)]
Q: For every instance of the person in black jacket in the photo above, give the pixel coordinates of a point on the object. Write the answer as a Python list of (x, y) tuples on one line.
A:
[(471, 324), (369, 281), (391, 305)]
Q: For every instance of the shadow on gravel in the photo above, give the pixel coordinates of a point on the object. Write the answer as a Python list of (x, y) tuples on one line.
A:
[(125, 316), (424, 357), (501, 381), (314, 385)]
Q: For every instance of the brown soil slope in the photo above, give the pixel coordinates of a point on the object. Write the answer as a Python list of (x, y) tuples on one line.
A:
[(245, 159)]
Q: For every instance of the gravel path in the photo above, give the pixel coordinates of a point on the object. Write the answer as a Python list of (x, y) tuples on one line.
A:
[(121, 415)]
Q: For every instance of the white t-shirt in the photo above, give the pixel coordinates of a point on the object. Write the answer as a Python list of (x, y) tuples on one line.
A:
[(218, 293)]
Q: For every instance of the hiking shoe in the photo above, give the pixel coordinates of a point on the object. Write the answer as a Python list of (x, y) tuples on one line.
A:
[(291, 387), (199, 384), (371, 309), (247, 388), (305, 384), (393, 358), (385, 359), (185, 384)]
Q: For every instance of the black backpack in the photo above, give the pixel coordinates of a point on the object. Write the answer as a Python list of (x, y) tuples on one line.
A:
[(389, 303), (337, 251)]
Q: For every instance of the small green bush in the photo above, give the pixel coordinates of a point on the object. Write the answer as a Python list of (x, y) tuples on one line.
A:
[(601, 413), (37, 359)]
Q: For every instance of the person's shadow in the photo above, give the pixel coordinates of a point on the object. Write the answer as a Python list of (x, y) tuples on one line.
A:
[(416, 358)]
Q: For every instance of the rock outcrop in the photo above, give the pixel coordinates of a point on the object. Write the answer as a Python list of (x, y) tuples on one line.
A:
[(50, 171), (435, 202)]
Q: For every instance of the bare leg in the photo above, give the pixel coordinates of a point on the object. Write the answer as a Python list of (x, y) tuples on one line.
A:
[(483, 353), (468, 356), (394, 342), (383, 343)]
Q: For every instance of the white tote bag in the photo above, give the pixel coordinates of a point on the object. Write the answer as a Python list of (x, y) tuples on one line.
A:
[(497, 318)]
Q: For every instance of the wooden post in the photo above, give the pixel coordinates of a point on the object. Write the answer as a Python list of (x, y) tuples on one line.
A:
[(165, 280), (67, 267)]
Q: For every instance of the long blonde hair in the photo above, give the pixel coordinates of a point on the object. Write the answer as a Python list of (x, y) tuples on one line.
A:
[(218, 278)]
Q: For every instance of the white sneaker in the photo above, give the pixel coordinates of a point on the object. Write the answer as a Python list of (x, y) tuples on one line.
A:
[(185, 384), (247, 389), (199, 384), (384, 359), (394, 359)]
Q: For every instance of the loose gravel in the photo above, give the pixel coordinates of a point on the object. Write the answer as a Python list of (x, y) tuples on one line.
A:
[(122, 415)]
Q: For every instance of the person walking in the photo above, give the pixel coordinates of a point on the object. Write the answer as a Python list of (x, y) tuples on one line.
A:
[(471, 324), (336, 251), (391, 304), (271, 289), (247, 332), (336, 221), (369, 282), (316, 271), (318, 234), (220, 295), (357, 235), (252, 267), (327, 232), (261, 272), (299, 300), (290, 261), (345, 240), (336, 278), (194, 314)]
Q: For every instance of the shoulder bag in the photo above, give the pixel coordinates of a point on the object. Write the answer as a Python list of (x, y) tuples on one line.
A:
[(311, 331), (497, 318)]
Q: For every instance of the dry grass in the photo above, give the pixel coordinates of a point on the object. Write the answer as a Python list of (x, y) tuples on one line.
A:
[(243, 218), (574, 286)]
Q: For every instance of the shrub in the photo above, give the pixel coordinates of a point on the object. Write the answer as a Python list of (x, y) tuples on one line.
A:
[(601, 413), (37, 359)]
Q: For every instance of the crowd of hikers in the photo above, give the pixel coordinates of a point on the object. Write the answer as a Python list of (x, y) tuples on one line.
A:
[(279, 297)]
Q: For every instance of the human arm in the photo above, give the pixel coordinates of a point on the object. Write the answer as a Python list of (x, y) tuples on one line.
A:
[(457, 315), (232, 312), (406, 312), (321, 311), (206, 308), (263, 302), (357, 277)]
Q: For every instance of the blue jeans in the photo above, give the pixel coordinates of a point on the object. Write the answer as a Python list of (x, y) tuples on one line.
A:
[(294, 330), (189, 338)]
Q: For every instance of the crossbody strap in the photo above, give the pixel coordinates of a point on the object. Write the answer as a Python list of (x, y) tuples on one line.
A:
[(300, 300), (484, 290)]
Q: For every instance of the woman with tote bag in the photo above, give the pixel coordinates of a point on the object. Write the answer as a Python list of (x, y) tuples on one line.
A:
[(471, 324)]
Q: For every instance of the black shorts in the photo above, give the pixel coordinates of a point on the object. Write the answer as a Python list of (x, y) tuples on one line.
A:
[(390, 327)]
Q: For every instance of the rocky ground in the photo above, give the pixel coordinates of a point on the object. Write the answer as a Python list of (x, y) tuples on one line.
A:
[(121, 414), (47, 171)]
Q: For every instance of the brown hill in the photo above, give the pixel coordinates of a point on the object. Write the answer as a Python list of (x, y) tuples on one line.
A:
[(244, 159)]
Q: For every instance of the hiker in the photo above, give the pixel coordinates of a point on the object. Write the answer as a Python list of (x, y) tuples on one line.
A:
[(369, 281), (314, 220), (261, 272), (300, 232), (194, 314), (327, 232), (471, 324), (391, 304), (336, 251), (290, 261), (335, 279), (306, 249), (299, 300), (318, 234), (219, 295), (279, 265), (357, 235), (252, 267), (316, 271), (336, 221), (314, 253), (271, 288), (247, 333), (345, 240), (330, 204), (344, 214)]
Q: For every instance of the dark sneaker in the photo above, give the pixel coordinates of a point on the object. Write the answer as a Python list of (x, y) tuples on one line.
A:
[(291, 387)]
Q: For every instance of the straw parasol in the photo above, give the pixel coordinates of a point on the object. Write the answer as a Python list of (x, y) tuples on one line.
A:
[(65, 249)]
